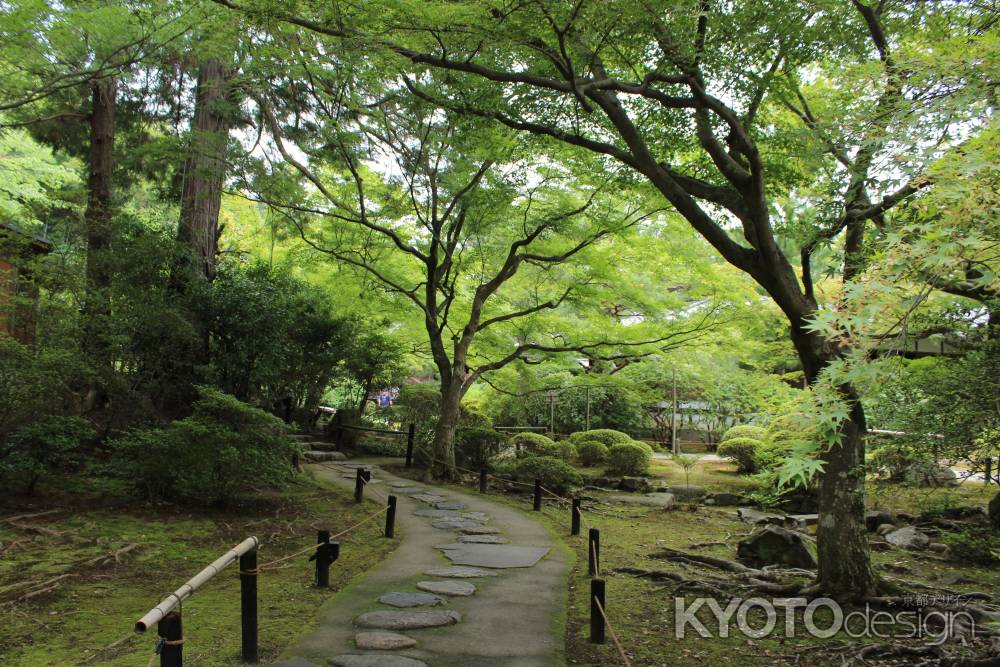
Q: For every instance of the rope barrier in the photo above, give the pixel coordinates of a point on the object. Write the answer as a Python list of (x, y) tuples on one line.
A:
[(614, 635)]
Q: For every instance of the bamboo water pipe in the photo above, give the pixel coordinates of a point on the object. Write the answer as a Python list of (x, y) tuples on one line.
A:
[(155, 614)]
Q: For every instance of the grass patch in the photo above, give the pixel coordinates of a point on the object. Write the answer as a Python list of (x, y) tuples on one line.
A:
[(97, 604)]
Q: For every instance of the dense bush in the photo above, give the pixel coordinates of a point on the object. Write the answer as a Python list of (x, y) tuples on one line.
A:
[(979, 546), (592, 452), (383, 446), (48, 443), (744, 452), (628, 458), (554, 474), (274, 338), (606, 435), (222, 450), (478, 448), (745, 431)]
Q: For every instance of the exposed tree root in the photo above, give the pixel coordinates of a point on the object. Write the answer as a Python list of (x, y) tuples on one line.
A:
[(892, 651)]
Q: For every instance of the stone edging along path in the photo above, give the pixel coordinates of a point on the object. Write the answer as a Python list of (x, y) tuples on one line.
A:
[(472, 583)]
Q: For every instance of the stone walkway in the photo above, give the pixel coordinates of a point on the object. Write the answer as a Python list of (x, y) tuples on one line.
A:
[(473, 583)]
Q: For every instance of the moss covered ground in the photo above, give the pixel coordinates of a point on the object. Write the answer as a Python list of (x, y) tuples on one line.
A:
[(87, 617)]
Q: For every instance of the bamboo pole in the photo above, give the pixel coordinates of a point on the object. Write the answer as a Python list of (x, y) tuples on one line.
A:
[(194, 583)]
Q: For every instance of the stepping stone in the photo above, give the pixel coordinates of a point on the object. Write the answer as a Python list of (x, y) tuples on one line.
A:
[(324, 447), (479, 530), (450, 505), (460, 572), (315, 456), (407, 620), (407, 490), (371, 481), (429, 498), (476, 516), (382, 641), (460, 588), (493, 555), (352, 464), (453, 524), (397, 599), (437, 514), (483, 539), (375, 661), (401, 483)]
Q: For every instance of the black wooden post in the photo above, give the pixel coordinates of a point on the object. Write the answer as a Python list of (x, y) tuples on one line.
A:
[(575, 519), (593, 552), (482, 480), (322, 558), (248, 605), (409, 445), (390, 518), (170, 629), (989, 469), (596, 617), (360, 479), (538, 495)]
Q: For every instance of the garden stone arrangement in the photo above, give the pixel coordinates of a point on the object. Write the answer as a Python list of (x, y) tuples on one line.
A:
[(468, 578)]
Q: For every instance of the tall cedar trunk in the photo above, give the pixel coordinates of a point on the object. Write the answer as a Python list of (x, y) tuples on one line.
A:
[(198, 231), (205, 169), (443, 447), (845, 570), (97, 300)]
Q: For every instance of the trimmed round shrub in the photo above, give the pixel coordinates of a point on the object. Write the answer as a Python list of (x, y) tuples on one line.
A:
[(477, 448), (745, 431), (645, 445), (532, 442), (554, 474), (606, 435), (592, 452), (628, 458), (743, 451)]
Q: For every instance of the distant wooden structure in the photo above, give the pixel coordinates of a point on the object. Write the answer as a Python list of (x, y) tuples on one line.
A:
[(940, 345), (18, 289)]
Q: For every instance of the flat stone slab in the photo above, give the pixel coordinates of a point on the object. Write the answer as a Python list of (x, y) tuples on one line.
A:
[(476, 516), (407, 490), (454, 524), (482, 539), (460, 572), (353, 464), (479, 530), (375, 661), (500, 556), (450, 505), (437, 514), (647, 500), (457, 588), (379, 640), (397, 599), (401, 483), (429, 498), (318, 456), (407, 620)]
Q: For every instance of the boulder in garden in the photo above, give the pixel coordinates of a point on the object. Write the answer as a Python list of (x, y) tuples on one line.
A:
[(774, 545)]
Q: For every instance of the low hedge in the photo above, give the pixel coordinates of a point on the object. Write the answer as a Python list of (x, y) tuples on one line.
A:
[(592, 452)]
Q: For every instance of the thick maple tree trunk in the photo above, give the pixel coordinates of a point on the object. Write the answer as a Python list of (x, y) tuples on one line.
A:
[(443, 446), (98, 216), (845, 570)]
